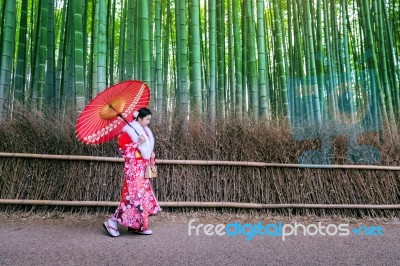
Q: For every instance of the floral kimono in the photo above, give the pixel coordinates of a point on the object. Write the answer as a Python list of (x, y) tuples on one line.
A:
[(137, 198)]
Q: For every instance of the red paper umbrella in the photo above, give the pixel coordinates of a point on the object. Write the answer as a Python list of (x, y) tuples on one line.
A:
[(105, 116)]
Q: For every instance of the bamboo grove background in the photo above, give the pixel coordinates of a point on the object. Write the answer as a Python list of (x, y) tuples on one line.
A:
[(258, 80), (315, 60)]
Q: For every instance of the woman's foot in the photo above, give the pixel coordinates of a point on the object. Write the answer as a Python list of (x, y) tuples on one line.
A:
[(140, 232), (111, 227)]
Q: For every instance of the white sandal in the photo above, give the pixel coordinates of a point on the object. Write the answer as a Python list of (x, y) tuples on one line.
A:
[(145, 232), (111, 230), (137, 231)]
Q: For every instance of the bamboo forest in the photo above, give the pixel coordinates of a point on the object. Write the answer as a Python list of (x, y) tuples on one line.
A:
[(270, 60)]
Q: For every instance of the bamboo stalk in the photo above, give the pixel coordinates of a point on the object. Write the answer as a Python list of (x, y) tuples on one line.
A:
[(198, 162), (60, 203), (197, 204), (61, 157)]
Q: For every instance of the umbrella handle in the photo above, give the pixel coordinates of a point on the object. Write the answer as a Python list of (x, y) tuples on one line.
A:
[(124, 119), (128, 124)]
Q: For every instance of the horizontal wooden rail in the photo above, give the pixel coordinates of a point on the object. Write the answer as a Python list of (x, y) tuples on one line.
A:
[(198, 162), (197, 204)]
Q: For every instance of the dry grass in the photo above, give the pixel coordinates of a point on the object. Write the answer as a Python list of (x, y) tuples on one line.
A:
[(233, 140)]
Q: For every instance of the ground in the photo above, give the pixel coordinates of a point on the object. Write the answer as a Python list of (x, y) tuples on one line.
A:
[(71, 239)]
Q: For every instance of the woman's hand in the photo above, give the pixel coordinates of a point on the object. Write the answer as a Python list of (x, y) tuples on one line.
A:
[(152, 159)]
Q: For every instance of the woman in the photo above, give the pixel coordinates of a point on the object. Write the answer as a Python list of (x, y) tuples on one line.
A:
[(137, 202)]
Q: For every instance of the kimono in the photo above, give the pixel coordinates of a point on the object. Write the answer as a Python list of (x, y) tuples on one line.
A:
[(137, 201)]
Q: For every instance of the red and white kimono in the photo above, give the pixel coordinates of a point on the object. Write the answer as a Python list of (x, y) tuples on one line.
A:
[(137, 198)]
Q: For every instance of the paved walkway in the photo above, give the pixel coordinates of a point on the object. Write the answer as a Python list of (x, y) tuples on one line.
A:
[(81, 240)]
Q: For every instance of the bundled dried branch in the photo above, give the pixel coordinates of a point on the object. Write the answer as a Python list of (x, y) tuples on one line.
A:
[(231, 140)]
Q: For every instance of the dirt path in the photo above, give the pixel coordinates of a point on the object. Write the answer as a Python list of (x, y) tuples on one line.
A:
[(60, 239)]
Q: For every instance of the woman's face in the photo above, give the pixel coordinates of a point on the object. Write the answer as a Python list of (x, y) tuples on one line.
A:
[(144, 121)]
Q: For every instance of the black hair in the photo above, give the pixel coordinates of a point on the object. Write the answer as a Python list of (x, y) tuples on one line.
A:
[(142, 113)]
